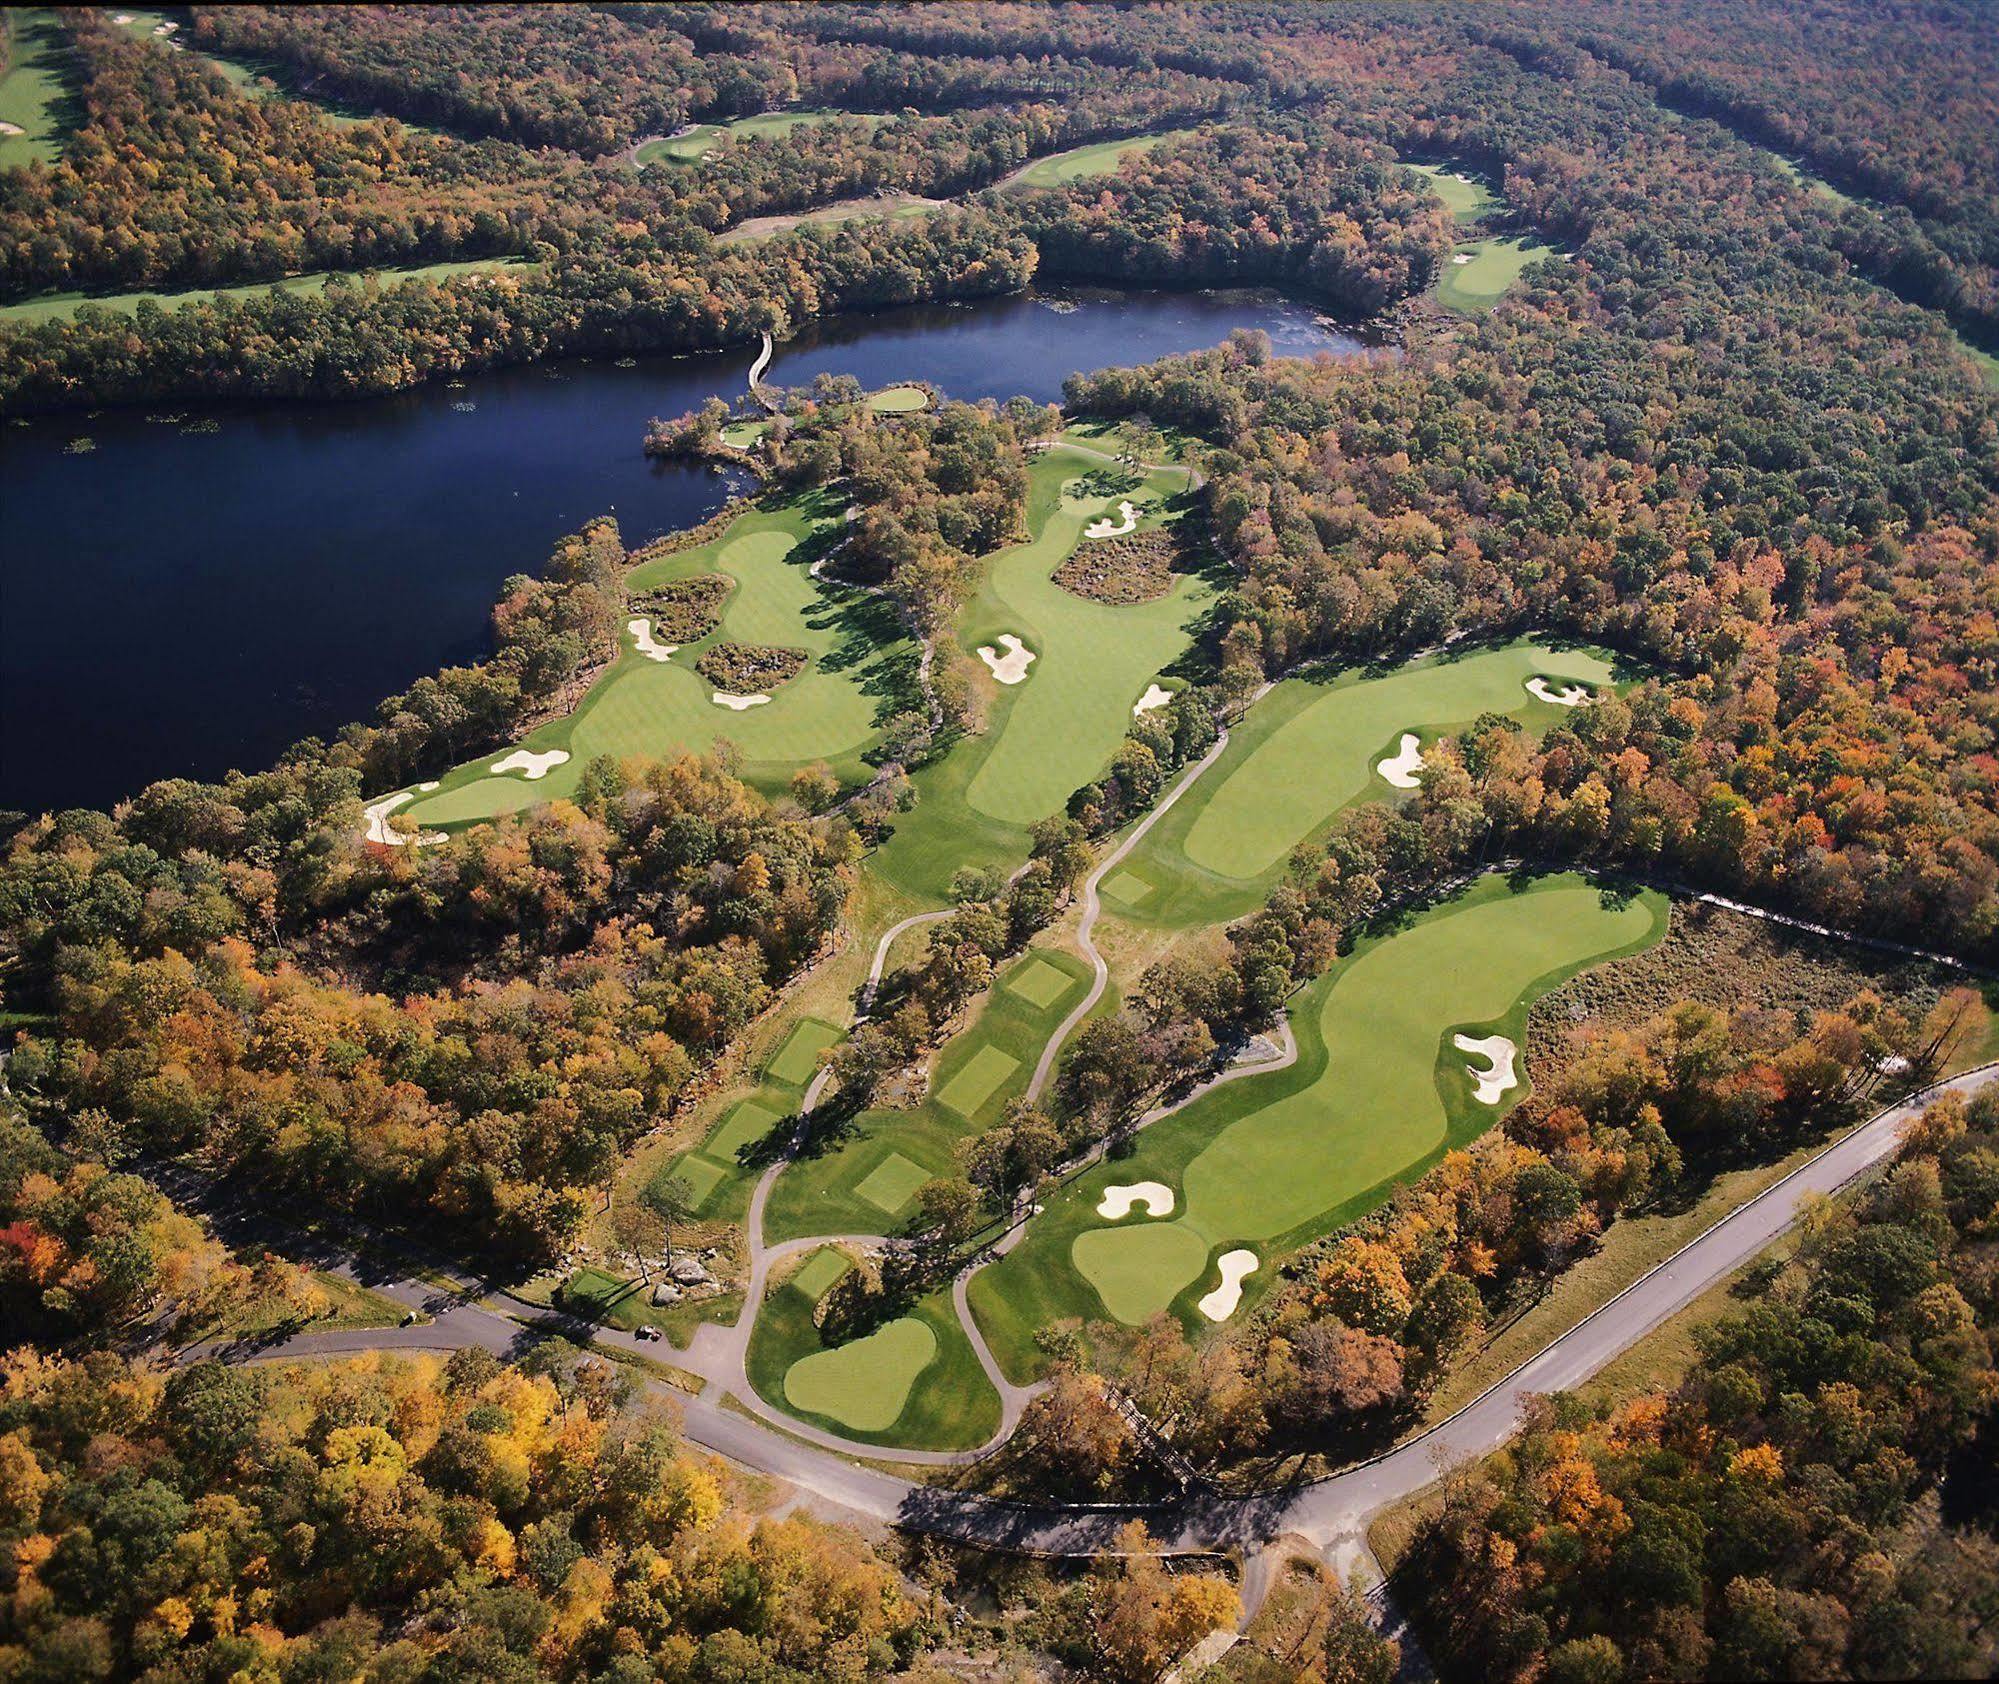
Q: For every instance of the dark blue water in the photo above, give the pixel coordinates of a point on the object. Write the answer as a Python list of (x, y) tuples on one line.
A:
[(175, 604)]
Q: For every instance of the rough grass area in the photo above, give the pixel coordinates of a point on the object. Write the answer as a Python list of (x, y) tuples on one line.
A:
[(1132, 567), (613, 1300), (684, 610), (1378, 1093), (748, 669)]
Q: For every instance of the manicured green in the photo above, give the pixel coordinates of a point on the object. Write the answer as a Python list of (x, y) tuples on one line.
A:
[(35, 94), (1378, 1094), (797, 1061), (701, 1176), (743, 434), (695, 144), (1464, 195), (1128, 887), (819, 1271), (1309, 749), (747, 1123), (1084, 163), (62, 306), (870, 1168), (864, 1384), (1057, 730), (862, 669), (1491, 266), (967, 1092), (898, 400), (892, 1183), (1039, 983)]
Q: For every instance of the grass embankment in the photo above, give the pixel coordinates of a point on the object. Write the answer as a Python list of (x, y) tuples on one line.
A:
[(1377, 1095), (914, 1383), (1309, 750), (861, 669)]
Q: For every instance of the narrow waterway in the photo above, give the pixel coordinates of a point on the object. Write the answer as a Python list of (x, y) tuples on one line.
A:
[(178, 601)]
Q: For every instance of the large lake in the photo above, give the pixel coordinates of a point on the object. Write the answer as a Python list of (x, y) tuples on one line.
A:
[(178, 603)]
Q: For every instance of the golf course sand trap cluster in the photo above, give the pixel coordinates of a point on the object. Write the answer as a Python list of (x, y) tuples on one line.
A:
[(531, 765), (1156, 696), (1569, 696), (722, 698), (1276, 1159), (1011, 667), (1116, 1203), (380, 828), (1105, 527), (1499, 1054), (1236, 1266), (642, 640), (1401, 767)]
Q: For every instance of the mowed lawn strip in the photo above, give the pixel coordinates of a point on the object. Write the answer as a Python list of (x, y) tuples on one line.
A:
[(978, 1081), (892, 1183), (797, 1061), (1039, 983), (1377, 1094)]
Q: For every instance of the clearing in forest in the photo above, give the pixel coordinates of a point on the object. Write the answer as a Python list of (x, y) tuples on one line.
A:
[(1378, 1092), (694, 144), (1477, 275), (1085, 163), (62, 306)]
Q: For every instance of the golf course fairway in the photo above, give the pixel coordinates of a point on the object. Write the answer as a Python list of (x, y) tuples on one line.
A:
[(1378, 1092)]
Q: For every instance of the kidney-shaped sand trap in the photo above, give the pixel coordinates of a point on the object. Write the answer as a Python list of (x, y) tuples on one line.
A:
[(1569, 696), (1156, 1196), (530, 764), (1156, 696), (1401, 767), (722, 698), (642, 640), (1105, 527), (1236, 1266), (1499, 1054), (863, 1385), (1011, 667)]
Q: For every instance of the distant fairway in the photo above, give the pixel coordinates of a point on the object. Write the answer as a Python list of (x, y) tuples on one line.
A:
[(1085, 163), (1466, 198), (1495, 264), (1306, 751), (62, 306), (862, 663), (1377, 1093), (34, 94), (695, 145)]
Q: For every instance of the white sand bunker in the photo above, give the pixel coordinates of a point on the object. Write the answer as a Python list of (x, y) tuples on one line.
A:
[(1156, 696), (642, 641), (380, 828), (1499, 1054), (1461, 257), (1401, 767), (1011, 667), (426, 788), (530, 764), (1105, 527), (1156, 1196), (722, 698), (1569, 696), (1236, 1266)]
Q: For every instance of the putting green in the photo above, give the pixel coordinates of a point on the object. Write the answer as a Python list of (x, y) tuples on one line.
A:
[(1039, 983), (1377, 1093), (1267, 804), (860, 668), (820, 1271), (1493, 266), (1465, 198), (978, 1081), (898, 400), (865, 1384), (892, 1183), (797, 1061), (747, 1123)]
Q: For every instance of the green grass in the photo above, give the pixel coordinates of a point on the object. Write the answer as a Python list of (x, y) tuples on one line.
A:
[(862, 669), (1216, 855), (743, 434), (797, 1061), (1494, 265), (748, 1121), (1056, 731), (1084, 163), (914, 1383), (898, 400), (618, 1301), (61, 307), (847, 1183), (1464, 196), (35, 94), (694, 146), (1377, 1095), (892, 1183), (819, 1271), (1039, 983), (701, 1176)]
